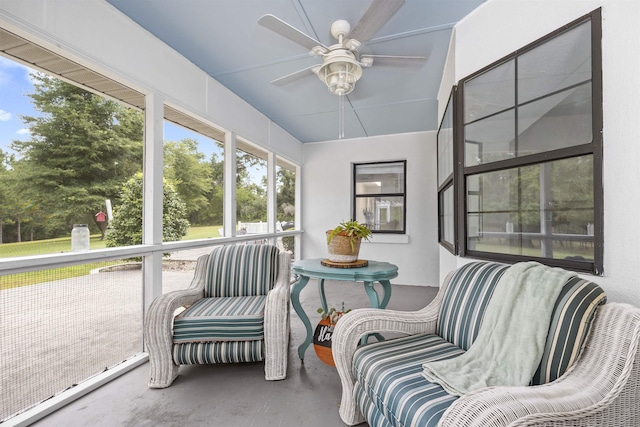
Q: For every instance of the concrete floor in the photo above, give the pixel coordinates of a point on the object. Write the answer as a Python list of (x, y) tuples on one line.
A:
[(236, 395)]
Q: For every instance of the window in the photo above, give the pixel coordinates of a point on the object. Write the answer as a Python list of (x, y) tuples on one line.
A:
[(532, 173), (66, 150), (446, 206), (379, 196)]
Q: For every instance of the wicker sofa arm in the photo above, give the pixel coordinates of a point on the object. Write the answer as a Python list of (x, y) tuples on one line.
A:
[(360, 322), (276, 322), (158, 326), (601, 389)]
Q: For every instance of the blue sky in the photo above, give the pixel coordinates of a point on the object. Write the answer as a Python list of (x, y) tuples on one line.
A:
[(15, 84)]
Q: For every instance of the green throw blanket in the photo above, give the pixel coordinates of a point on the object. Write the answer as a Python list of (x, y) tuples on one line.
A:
[(512, 336)]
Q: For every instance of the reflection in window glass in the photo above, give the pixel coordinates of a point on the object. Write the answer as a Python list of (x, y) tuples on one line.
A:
[(557, 121), (446, 216), (490, 139), (544, 210), (379, 196), (445, 145), (490, 92), (65, 155), (556, 65)]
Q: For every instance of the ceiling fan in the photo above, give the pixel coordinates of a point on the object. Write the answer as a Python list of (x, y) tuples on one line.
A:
[(342, 63)]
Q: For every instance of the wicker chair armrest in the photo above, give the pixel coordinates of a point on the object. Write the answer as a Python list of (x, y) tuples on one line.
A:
[(159, 317), (601, 388), (276, 322), (277, 305), (360, 322)]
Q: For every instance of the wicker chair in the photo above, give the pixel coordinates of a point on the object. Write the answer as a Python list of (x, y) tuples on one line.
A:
[(237, 311), (601, 387)]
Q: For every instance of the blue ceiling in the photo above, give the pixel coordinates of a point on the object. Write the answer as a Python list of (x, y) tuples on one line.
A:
[(223, 38)]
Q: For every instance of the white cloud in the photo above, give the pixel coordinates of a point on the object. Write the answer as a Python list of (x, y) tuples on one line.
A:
[(23, 131), (4, 116)]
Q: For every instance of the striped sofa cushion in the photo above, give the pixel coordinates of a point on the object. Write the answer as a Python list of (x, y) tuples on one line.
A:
[(240, 270), (390, 385), (570, 321), (221, 319), (465, 301), (199, 353)]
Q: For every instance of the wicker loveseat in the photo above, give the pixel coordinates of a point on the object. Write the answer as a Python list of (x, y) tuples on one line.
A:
[(589, 374)]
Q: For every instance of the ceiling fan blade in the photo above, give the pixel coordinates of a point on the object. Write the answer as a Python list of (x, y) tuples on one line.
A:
[(279, 26), (294, 76), (374, 18), (393, 60)]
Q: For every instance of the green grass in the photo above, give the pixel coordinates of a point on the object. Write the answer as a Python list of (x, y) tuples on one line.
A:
[(63, 244), (33, 277), (558, 251)]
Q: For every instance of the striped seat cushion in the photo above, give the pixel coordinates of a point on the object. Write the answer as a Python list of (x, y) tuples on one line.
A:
[(465, 301), (240, 270), (221, 319), (199, 353), (389, 376), (575, 308)]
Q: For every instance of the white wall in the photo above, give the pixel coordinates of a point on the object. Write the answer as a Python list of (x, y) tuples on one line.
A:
[(98, 36), (501, 26), (326, 200)]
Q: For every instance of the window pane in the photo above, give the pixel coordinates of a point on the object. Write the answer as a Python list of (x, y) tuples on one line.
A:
[(285, 203), (490, 139), (65, 155), (193, 168), (381, 213), (445, 145), (558, 121), (555, 65), (446, 215), (490, 92), (544, 210), (251, 190), (380, 178)]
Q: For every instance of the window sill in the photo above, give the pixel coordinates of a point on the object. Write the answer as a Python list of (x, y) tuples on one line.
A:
[(389, 238)]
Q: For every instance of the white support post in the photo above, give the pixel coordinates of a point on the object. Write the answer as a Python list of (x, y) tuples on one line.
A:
[(152, 195), (298, 214), (230, 171), (271, 193)]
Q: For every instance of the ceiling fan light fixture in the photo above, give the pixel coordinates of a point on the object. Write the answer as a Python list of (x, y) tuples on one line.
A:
[(340, 73)]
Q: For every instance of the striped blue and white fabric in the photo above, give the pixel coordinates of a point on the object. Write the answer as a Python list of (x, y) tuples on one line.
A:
[(199, 353), (390, 389), (221, 319), (572, 315), (241, 270), (465, 301), (227, 326)]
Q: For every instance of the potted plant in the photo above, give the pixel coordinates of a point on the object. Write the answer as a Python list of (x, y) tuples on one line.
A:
[(344, 241)]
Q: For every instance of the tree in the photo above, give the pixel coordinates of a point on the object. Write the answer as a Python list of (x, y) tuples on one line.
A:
[(82, 148), (286, 196), (126, 227), (190, 175)]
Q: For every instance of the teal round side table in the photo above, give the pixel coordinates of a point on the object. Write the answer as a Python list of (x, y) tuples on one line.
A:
[(381, 272)]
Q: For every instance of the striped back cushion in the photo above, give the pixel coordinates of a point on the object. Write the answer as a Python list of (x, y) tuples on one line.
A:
[(465, 301), (241, 270), (570, 321)]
